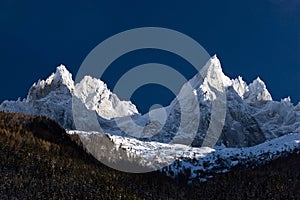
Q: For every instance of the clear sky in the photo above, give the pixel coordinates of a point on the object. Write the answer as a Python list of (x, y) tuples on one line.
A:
[(251, 37)]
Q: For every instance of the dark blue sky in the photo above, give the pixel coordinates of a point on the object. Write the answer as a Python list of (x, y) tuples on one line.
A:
[(251, 38)]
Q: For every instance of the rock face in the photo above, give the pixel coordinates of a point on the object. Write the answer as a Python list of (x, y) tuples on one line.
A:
[(54, 96), (95, 95), (244, 114), (51, 97), (209, 108)]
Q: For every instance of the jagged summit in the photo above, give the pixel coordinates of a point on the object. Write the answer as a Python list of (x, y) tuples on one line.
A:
[(248, 109), (96, 96), (212, 67), (255, 91), (64, 76), (54, 96), (60, 81), (240, 86), (251, 115), (211, 74), (214, 56), (244, 115)]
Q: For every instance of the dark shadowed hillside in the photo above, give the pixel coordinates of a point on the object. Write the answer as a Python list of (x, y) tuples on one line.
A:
[(39, 160)]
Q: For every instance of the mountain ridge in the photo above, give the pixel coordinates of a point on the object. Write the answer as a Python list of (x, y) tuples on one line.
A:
[(246, 115), (213, 116)]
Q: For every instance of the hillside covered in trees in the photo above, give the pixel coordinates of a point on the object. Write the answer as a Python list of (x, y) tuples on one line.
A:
[(39, 160)]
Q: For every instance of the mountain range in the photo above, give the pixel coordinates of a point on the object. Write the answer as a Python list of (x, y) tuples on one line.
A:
[(213, 125)]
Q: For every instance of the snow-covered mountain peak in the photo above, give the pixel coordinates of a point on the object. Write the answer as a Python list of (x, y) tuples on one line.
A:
[(240, 86), (210, 80), (96, 96), (214, 75), (247, 112), (257, 91), (212, 66), (62, 75), (60, 82), (55, 97), (258, 84), (286, 100), (90, 85), (211, 74)]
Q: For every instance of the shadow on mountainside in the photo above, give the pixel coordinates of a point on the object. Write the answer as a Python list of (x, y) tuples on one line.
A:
[(39, 160)]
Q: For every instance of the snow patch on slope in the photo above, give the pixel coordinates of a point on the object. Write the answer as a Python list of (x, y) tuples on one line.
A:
[(196, 164)]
